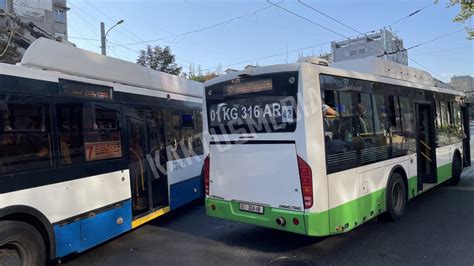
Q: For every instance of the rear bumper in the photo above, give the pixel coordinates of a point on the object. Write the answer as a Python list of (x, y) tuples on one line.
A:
[(309, 224)]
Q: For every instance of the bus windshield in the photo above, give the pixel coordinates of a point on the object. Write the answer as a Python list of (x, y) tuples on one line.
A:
[(258, 104)]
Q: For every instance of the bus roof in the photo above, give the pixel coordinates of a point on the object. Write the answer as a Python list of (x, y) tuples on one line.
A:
[(55, 56), (381, 67), (370, 68)]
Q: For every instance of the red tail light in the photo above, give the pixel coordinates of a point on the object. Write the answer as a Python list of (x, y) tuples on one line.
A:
[(306, 178), (205, 170)]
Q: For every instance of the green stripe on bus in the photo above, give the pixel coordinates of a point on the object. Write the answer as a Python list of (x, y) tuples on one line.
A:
[(339, 219), (444, 173), (230, 210)]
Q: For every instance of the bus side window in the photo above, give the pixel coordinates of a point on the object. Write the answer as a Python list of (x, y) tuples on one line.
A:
[(88, 132), (373, 128), (71, 132), (407, 117), (25, 138), (180, 134), (197, 139), (443, 131), (457, 123)]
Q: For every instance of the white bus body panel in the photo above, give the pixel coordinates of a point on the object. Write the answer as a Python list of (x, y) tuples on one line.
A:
[(265, 174), (310, 136), (64, 200), (444, 155), (349, 185), (184, 169)]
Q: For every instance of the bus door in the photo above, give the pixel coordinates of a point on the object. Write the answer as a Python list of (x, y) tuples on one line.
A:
[(466, 147), (147, 163), (426, 151)]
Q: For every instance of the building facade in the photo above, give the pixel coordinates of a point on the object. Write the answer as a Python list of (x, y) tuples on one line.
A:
[(382, 44), (32, 19), (463, 83)]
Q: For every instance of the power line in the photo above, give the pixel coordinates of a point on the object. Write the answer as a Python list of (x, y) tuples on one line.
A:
[(83, 38), (133, 35), (273, 55), (179, 35), (423, 43), (307, 19), (340, 22), (412, 14), (385, 53), (329, 17), (88, 24), (435, 39), (321, 26), (138, 51), (427, 69), (444, 50), (108, 40)]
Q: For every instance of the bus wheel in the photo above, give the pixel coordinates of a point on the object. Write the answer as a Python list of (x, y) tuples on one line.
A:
[(456, 171), (21, 244), (396, 198)]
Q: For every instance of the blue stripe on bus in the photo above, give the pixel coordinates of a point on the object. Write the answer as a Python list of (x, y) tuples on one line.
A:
[(89, 232), (185, 192)]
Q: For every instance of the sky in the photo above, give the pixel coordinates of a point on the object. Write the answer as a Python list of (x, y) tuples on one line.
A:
[(233, 34)]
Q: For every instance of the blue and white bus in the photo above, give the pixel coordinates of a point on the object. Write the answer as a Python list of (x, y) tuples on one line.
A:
[(90, 147)]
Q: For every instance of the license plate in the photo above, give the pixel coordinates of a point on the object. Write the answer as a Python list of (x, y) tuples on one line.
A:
[(251, 208)]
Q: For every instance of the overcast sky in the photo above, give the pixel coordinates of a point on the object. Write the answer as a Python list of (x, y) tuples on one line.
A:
[(237, 33)]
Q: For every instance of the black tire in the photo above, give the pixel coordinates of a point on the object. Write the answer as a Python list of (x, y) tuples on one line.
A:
[(396, 198), (456, 171), (21, 244)]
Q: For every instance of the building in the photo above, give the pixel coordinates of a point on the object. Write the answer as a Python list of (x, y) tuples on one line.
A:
[(462, 83), (31, 19), (465, 84), (381, 44)]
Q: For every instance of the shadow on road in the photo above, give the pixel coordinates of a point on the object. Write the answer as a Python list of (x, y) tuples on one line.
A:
[(231, 233), (273, 241)]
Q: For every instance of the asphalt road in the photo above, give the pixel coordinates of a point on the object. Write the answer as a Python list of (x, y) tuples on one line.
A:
[(437, 229)]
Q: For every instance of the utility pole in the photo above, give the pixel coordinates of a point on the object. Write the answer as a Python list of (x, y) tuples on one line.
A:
[(103, 35), (102, 38)]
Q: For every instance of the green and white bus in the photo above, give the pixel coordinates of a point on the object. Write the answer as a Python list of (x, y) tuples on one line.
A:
[(276, 160)]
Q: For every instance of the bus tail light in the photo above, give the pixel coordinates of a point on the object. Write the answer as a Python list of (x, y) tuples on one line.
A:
[(205, 170), (306, 178)]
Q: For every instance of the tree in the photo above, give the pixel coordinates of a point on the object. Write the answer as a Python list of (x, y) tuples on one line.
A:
[(467, 10), (204, 78), (10, 29), (8, 50), (161, 59)]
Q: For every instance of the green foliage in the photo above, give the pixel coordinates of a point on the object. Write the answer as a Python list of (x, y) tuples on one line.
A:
[(467, 9), (161, 59), (203, 78), (198, 78), (9, 50), (11, 54), (465, 14)]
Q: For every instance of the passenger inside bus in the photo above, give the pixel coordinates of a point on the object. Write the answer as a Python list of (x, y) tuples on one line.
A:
[(328, 111), (361, 119), (24, 141)]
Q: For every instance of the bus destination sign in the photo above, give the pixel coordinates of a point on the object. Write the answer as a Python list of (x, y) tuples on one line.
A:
[(248, 87), (85, 90)]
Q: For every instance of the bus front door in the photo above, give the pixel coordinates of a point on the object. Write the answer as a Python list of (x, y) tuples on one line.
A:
[(147, 163), (426, 152), (466, 145)]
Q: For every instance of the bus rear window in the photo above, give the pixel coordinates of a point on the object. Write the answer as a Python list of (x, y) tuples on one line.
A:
[(259, 104)]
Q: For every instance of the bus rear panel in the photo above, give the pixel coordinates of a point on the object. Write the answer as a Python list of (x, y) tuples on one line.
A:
[(253, 173)]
